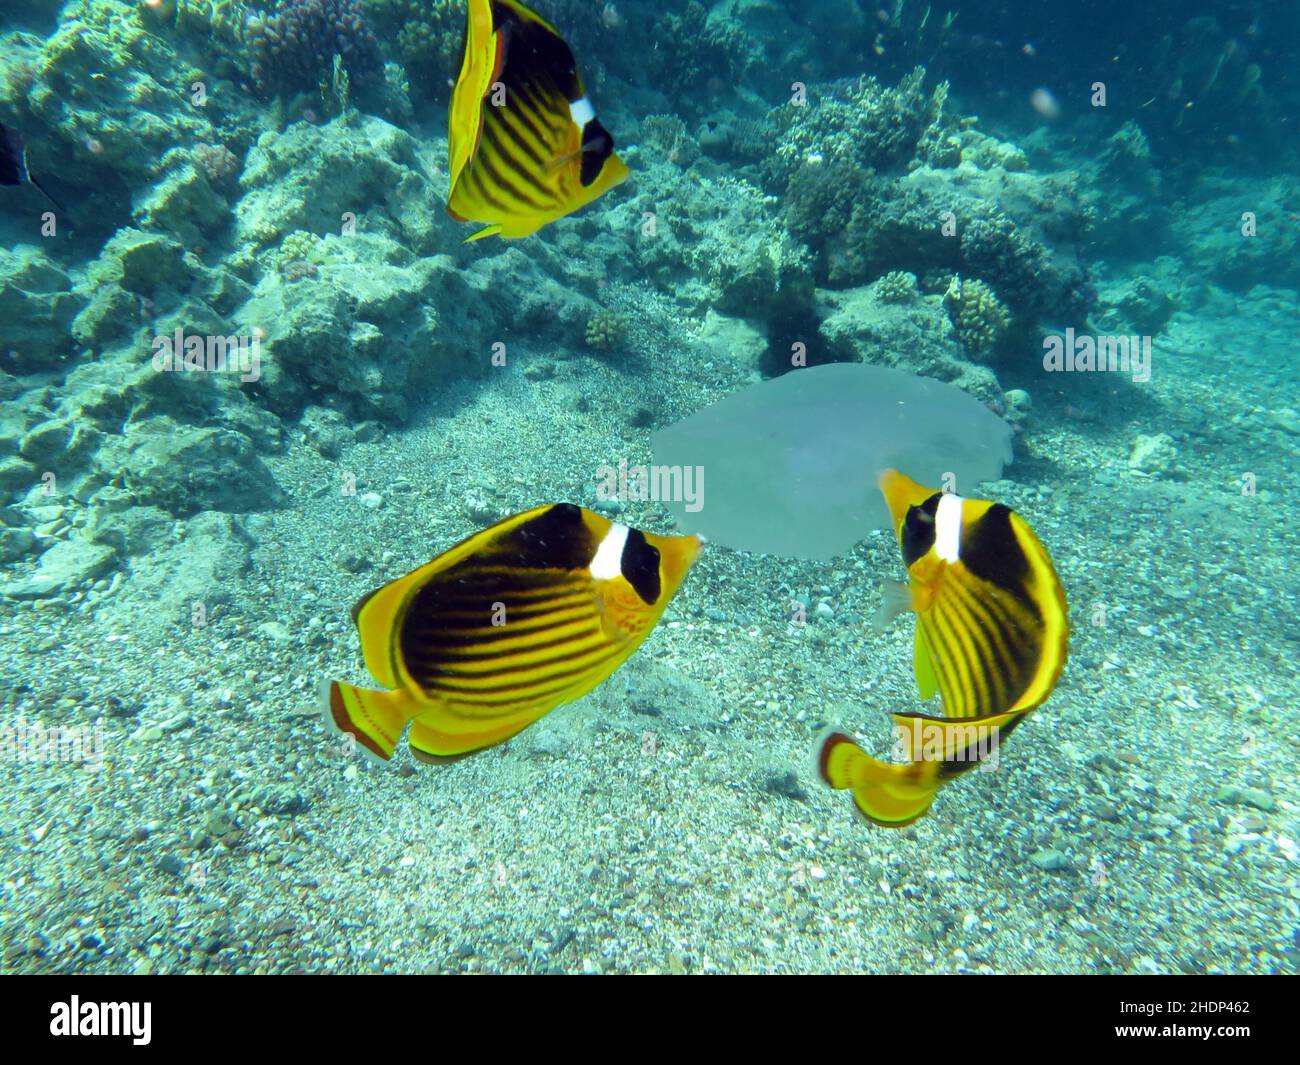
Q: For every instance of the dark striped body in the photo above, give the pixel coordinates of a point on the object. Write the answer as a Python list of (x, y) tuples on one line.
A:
[(984, 631), (512, 622), (526, 146), (991, 640)]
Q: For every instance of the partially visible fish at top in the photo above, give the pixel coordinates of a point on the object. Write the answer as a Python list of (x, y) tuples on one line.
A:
[(991, 638), (524, 141), (13, 164)]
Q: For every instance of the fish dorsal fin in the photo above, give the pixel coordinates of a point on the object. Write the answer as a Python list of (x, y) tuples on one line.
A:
[(507, 46), (480, 64), (543, 87)]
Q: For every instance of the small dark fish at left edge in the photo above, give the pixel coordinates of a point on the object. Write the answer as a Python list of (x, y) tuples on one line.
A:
[(13, 164)]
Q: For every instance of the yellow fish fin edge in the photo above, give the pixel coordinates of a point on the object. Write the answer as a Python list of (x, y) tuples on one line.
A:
[(490, 231), (478, 67), (891, 796), (438, 735), (374, 720), (1056, 634)]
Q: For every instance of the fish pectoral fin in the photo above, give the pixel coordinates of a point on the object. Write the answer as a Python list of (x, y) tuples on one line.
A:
[(560, 160), (617, 622), (892, 796), (895, 601)]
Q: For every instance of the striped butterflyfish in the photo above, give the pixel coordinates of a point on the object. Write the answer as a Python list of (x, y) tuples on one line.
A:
[(524, 141), (524, 616), (991, 634)]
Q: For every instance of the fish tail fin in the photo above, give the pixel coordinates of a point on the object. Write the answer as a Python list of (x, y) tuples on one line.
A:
[(888, 795), (374, 719)]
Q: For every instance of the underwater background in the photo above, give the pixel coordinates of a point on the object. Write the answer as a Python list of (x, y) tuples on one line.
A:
[(179, 552)]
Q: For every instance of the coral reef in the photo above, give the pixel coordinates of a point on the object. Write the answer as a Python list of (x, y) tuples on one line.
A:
[(294, 48), (977, 314), (864, 124), (897, 286), (667, 137), (1019, 231), (219, 164), (606, 329), (862, 325), (1143, 305), (426, 36), (879, 179)]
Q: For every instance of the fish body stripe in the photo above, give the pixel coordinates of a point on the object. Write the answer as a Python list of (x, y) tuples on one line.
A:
[(509, 170)]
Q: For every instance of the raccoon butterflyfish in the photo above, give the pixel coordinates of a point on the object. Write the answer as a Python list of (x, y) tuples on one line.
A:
[(524, 142), (516, 620), (991, 634)]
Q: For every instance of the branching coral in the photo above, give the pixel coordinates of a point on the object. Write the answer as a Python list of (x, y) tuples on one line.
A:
[(606, 329), (294, 48), (666, 137), (426, 36), (219, 164), (861, 122), (693, 52), (897, 286), (978, 316), (299, 254)]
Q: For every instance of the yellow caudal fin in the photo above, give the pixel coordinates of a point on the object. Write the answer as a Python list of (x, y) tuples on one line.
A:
[(374, 719), (888, 795)]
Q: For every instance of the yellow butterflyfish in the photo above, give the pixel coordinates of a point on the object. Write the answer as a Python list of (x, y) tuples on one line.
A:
[(524, 616), (524, 141), (991, 637)]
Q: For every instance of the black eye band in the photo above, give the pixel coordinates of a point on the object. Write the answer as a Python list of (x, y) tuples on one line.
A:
[(919, 529), (640, 565)]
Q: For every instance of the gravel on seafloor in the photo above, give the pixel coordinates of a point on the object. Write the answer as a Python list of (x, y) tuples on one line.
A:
[(1143, 820)]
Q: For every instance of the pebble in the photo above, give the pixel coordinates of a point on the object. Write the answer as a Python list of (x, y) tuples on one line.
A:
[(1152, 455), (1050, 860), (1256, 797), (274, 631), (371, 500)]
